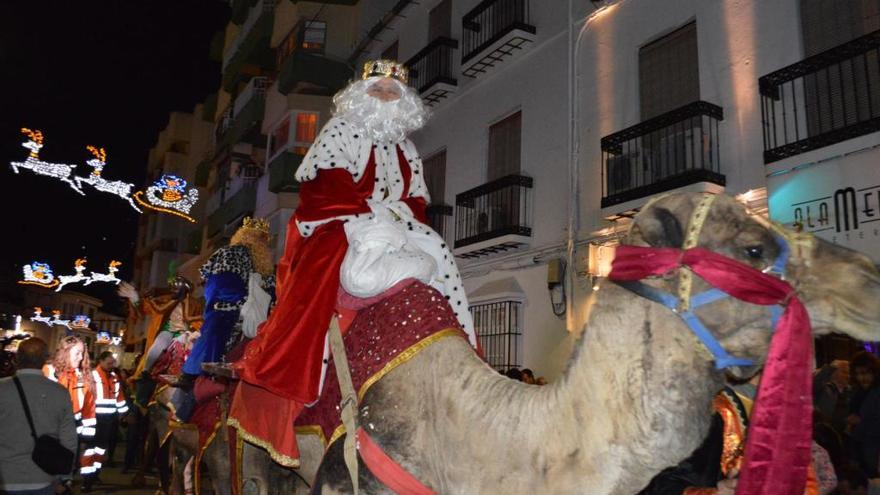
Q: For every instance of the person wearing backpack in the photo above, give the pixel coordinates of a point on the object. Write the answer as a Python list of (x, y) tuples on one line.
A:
[(36, 425)]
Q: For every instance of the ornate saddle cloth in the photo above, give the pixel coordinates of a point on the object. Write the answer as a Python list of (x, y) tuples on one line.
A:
[(381, 337)]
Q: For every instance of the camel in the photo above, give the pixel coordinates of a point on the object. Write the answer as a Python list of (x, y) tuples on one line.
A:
[(636, 396)]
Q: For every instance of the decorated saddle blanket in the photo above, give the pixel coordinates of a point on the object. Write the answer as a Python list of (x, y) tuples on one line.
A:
[(383, 335)]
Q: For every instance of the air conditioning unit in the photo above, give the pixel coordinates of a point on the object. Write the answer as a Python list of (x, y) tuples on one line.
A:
[(621, 172)]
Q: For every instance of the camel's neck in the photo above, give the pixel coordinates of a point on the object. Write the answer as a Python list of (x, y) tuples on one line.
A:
[(635, 399)]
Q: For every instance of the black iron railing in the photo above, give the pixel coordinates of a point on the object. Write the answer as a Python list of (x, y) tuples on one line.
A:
[(824, 99), (671, 150), (498, 208), (489, 21), (440, 218), (498, 327), (433, 64)]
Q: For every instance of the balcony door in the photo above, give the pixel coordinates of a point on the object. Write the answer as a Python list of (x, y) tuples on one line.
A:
[(435, 176), (440, 21), (503, 208)]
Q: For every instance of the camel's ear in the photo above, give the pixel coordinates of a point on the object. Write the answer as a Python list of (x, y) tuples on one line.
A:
[(658, 227)]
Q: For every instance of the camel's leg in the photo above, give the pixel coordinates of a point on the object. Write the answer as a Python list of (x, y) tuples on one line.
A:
[(163, 465), (151, 439), (333, 474)]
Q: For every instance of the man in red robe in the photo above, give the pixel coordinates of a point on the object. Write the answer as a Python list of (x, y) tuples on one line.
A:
[(360, 226)]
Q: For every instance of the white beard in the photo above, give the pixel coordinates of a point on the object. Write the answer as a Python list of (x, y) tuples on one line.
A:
[(384, 121)]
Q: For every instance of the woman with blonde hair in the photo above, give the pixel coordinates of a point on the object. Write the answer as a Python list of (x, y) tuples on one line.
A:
[(70, 367)]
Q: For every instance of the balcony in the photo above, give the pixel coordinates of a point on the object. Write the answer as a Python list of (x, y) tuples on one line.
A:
[(233, 209), (494, 217), (303, 67), (241, 121), (492, 32), (282, 171), (431, 70), (250, 53), (822, 100), (673, 150), (440, 219)]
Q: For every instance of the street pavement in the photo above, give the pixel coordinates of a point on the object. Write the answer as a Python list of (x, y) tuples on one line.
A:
[(117, 483)]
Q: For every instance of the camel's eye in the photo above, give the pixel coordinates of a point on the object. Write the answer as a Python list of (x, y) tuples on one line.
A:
[(755, 252)]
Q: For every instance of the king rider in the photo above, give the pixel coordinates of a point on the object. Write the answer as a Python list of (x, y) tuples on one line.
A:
[(362, 186)]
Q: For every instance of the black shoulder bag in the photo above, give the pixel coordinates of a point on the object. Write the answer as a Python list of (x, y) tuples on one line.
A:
[(48, 454)]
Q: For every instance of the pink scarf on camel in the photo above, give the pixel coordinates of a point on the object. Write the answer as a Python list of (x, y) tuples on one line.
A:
[(778, 442)]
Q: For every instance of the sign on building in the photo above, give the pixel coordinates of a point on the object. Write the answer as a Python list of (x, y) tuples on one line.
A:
[(838, 200)]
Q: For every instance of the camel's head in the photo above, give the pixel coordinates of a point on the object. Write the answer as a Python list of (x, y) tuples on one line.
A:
[(839, 287)]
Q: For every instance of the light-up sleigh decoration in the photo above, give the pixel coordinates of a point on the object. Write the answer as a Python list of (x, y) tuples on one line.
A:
[(169, 195), (37, 273), (40, 274)]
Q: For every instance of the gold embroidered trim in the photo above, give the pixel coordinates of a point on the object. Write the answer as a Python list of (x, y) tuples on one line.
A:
[(198, 463), (401, 358), (276, 456), (405, 356)]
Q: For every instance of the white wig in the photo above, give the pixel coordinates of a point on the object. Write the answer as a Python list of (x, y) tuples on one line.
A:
[(381, 120)]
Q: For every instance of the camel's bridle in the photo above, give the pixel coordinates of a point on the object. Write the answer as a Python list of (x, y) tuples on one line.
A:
[(683, 303)]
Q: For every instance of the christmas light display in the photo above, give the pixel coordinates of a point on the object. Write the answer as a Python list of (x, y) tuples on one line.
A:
[(166, 195), (117, 187), (169, 195), (56, 319), (80, 322), (79, 266), (110, 276), (33, 163), (38, 316), (40, 274)]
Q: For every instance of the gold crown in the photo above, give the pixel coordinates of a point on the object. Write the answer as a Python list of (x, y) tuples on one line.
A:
[(386, 68), (260, 224)]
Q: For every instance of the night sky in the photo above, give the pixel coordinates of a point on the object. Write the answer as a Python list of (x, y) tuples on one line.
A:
[(105, 73)]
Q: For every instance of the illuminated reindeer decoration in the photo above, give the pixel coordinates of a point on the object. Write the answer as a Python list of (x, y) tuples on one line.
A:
[(110, 276), (79, 266), (117, 187), (56, 320), (59, 171), (38, 316)]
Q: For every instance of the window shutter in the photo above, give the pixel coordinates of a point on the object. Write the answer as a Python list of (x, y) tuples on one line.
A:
[(440, 21), (504, 147), (669, 75), (435, 176)]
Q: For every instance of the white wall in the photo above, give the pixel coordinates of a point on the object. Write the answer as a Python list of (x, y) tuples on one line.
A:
[(738, 41)]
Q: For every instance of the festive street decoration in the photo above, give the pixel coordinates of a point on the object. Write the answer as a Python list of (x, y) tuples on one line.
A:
[(117, 187), (40, 274), (80, 322), (56, 319), (169, 195), (33, 163), (79, 266), (110, 276), (38, 316)]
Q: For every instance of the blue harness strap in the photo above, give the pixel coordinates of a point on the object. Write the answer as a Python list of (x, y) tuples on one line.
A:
[(722, 358)]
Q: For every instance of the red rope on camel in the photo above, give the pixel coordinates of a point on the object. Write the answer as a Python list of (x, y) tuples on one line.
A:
[(777, 454)]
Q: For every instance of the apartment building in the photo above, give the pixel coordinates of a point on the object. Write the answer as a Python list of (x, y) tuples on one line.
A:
[(163, 239), (70, 304), (774, 102), (496, 151)]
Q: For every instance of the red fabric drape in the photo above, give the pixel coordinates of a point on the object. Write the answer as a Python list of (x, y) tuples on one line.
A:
[(778, 442)]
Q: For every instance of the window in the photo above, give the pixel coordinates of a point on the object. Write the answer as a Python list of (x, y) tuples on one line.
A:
[(307, 35), (390, 53), (504, 147), (498, 327), (669, 75), (296, 132), (440, 21), (435, 176)]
